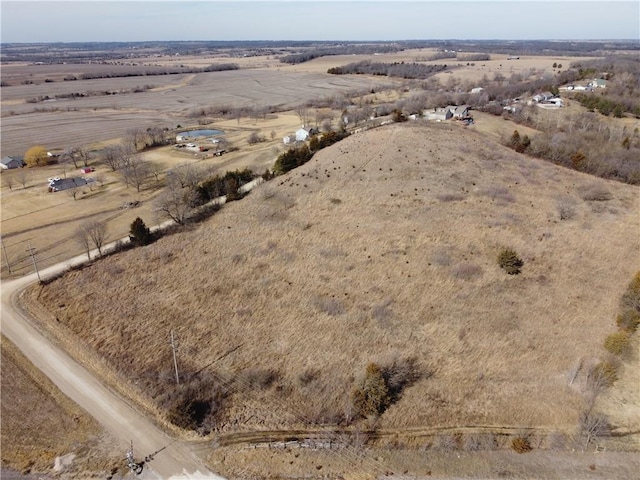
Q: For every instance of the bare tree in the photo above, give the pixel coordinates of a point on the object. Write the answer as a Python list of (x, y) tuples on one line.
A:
[(303, 114), (113, 156), (8, 181), (91, 234), (79, 153), (67, 157), (97, 234), (137, 139), (23, 177), (175, 203), (185, 175), (73, 192), (136, 172), (157, 135), (593, 426), (82, 238)]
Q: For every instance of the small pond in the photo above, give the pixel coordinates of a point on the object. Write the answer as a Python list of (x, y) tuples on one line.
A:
[(199, 133)]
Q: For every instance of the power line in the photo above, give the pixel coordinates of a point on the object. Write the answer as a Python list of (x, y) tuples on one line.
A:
[(31, 251), (175, 362)]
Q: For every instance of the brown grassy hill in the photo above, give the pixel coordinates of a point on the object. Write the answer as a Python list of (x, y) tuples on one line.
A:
[(381, 249)]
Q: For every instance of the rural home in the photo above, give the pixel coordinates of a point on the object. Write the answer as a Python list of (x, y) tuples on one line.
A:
[(540, 97), (304, 133), (461, 111), (598, 83), (8, 162), (438, 114), (60, 184)]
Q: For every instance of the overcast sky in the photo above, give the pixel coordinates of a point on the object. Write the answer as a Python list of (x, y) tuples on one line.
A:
[(77, 21)]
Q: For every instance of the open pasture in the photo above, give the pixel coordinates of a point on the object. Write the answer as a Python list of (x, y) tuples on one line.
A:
[(382, 248)]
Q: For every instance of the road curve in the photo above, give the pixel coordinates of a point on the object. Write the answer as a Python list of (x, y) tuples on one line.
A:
[(173, 460)]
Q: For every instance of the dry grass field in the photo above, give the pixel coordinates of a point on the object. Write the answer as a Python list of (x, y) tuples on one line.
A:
[(381, 249), (30, 403)]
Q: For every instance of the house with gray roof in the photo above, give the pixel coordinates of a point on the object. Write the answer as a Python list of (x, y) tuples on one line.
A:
[(9, 162)]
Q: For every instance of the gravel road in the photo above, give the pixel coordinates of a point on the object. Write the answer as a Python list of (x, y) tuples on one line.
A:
[(171, 458)]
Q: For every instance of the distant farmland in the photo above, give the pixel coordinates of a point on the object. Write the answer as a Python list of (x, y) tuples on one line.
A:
[(64, 121)]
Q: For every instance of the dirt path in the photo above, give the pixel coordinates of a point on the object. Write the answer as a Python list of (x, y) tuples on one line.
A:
[(168, 458)]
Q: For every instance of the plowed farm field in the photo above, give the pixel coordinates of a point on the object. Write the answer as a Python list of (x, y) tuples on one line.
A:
[(62, 122)]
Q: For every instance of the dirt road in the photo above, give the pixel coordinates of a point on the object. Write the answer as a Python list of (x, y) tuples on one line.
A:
[(167, 458)]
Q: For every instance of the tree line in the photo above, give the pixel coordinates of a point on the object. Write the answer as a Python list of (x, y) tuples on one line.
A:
[(396, 69)]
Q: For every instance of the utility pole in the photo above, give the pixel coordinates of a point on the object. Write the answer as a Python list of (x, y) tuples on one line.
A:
[(31, 251), (6, 258), (175, 363)]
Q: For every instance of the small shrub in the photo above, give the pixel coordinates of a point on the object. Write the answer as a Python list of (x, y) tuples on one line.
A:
[(449, 443), (618, 342), (631, 297), (398, 116), (629, 320), (605, 373), (566, 209), (480, 441), (521, 445), (258, 378), (371, 398), (596, 193), (510, 262), (400, 374), (255, 137)]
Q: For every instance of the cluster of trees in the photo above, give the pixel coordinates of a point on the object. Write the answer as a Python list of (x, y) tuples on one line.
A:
[(583, 142), (159, 71), (228, 185), (366, 49), (396, 69), (296, 156), (185, 191), (602, 104), (90, 93)]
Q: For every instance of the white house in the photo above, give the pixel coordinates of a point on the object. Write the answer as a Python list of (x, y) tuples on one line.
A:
[(302, 134), (598, 83), (438, 114), (461, 111)]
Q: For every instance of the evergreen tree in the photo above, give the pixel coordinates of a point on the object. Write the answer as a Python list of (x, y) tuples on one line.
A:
[(139, 233)]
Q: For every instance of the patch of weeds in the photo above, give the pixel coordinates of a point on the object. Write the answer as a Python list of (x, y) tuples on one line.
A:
[(618, 342), (466, 271), (628, 320), (510, 262), (566, 208), (329, 305), (450, 197), (499, 194), (596, 193), (521, 445)]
